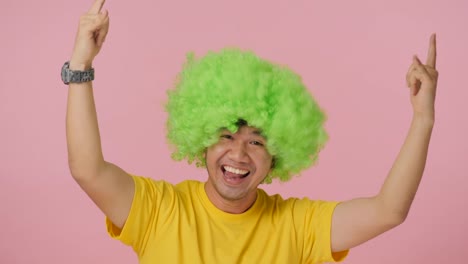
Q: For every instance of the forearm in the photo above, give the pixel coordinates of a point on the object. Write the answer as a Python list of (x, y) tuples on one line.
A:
[(83, 140), (399, 189)]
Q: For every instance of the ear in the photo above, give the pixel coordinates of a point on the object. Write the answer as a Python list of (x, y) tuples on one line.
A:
[(273, 163)]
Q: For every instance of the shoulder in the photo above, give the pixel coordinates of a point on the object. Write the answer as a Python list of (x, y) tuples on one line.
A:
[(278, 200), (148, 184), (295, 204), (187, 186), (149, 181), (145, 184), (188, 189)]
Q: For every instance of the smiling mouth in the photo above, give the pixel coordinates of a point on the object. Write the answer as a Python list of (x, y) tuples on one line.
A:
[(234, 173)]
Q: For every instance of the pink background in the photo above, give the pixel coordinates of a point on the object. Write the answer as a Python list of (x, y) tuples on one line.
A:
[(352, 54)]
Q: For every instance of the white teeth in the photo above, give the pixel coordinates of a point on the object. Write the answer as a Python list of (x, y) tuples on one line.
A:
[(234, 170)]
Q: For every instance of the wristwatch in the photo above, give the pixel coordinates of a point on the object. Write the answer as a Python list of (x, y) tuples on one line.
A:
[(69, 76)]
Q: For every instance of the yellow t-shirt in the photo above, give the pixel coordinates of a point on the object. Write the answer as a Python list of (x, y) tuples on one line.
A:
[(179, 224)]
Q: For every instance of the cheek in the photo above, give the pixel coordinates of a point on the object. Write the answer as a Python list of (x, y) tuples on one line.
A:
[(212, 154), (209, 155), (265, 159)]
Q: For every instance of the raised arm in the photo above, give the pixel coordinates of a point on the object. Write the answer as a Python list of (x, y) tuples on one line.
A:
[(359, 220), (107, 185)]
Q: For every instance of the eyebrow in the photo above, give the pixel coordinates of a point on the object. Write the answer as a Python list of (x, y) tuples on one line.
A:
[(259, 133)]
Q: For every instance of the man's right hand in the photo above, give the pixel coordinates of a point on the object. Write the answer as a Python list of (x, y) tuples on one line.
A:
[(91, 34)]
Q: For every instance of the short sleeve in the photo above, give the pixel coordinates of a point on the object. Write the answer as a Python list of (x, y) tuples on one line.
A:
[(317, 222), (149, 200)]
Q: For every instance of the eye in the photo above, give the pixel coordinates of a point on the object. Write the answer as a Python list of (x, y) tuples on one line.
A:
[(257, 143), (226, 136)]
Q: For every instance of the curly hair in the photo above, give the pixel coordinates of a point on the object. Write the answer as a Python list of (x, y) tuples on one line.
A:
[(221, 88)]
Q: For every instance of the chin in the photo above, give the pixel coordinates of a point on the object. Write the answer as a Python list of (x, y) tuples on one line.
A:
[(231, 193)]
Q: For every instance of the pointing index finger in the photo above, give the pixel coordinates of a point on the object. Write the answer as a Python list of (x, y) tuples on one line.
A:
[(432, 53), (96, 8)]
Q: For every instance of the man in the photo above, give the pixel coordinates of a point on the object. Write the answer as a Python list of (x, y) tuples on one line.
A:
[(229, 219)]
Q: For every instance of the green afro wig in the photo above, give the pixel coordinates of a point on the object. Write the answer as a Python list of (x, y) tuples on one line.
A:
[(221, 88)]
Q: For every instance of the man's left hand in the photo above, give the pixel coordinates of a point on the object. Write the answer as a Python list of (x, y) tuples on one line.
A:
[(422, 81)]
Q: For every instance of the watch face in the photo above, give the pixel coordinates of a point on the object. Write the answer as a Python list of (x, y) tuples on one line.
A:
[(65, 73)]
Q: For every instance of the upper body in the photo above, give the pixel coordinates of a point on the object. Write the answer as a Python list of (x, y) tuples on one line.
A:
[(179, 224), (238, 161)]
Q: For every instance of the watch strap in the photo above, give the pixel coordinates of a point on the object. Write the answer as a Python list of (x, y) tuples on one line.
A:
[(82, 76)]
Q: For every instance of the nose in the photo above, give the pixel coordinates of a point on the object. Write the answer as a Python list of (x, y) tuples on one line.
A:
[(238, 152)]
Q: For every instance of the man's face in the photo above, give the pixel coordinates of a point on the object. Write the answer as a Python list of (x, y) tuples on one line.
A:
[(237, 164)]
